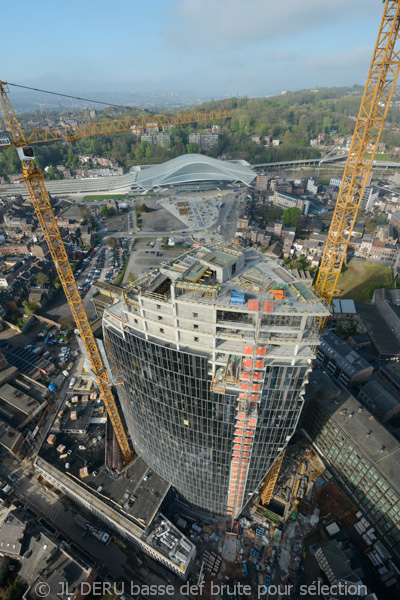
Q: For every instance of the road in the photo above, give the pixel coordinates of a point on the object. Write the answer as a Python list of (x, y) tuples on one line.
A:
[(228, 214)]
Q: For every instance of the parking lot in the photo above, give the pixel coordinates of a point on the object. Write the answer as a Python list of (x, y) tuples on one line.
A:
[(114, 223), (91, 269)]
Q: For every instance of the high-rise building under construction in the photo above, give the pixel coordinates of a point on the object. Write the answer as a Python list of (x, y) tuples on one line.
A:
[(213, 351)]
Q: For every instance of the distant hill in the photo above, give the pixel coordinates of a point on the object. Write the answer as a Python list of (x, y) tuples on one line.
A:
[(294, 118)]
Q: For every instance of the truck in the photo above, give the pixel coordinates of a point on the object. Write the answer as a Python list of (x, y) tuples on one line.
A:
[(100, 535)]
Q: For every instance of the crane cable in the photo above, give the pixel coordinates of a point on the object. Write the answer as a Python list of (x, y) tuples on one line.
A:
[(25, 87)]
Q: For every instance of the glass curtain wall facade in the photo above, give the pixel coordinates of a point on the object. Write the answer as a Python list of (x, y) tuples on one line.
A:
[(212, 385)]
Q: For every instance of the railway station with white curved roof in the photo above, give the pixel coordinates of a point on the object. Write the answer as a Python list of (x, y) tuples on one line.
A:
[(194, 170)]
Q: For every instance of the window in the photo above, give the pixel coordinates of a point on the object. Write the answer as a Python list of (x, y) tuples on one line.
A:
[(161, 330), (159, 318), (196, 339), (158, 306), (195, 326), (195, 315), (136, 321)]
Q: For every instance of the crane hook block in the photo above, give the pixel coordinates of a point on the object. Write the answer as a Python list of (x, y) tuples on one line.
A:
[(26, 153)]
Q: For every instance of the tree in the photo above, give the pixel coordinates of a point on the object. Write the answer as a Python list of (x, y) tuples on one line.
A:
[(31, 307), (292, 217), (111, 241), (191, 148), (42, 279), (105, 211), (67, 322)]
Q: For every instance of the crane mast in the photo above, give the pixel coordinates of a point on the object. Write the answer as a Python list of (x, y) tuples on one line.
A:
[(375, 103), (41, 202), (374, 106)]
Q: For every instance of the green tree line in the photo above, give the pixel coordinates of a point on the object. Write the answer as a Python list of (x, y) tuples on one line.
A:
[(293, 118)]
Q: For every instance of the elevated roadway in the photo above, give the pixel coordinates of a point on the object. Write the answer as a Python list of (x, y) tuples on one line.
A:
[(301, 163)]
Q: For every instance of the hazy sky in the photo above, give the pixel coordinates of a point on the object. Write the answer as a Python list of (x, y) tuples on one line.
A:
[(253, 47)]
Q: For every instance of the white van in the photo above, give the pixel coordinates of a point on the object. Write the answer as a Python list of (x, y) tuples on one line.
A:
[(7, 489)]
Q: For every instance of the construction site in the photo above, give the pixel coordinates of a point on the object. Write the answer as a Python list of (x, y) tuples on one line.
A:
[(202, 378)]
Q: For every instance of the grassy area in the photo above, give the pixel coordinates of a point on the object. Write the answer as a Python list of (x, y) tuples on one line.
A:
[(140, 242), (104, 197), (120, 277), (383, 157), (361, 278)]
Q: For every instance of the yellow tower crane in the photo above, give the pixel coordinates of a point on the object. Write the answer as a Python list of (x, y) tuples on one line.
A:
[(374, 106), (40, 199)]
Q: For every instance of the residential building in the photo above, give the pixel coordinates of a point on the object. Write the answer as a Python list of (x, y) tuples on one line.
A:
[(204, 141), (262, 183), (52, 565), (10, 438), (19, 218), (312, 186), (335, 182), (14, 249), (161, 139), (380, 399), (12, 531), (395, 219), (342, 362), (391, 374), (358, 230), (377, 251), (281, 185), (213, 369), (71, 218), (286, 200), (368, 198), (17, 407)]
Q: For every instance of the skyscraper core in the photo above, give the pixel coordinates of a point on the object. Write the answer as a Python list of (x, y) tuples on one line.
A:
[(213, 351)]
